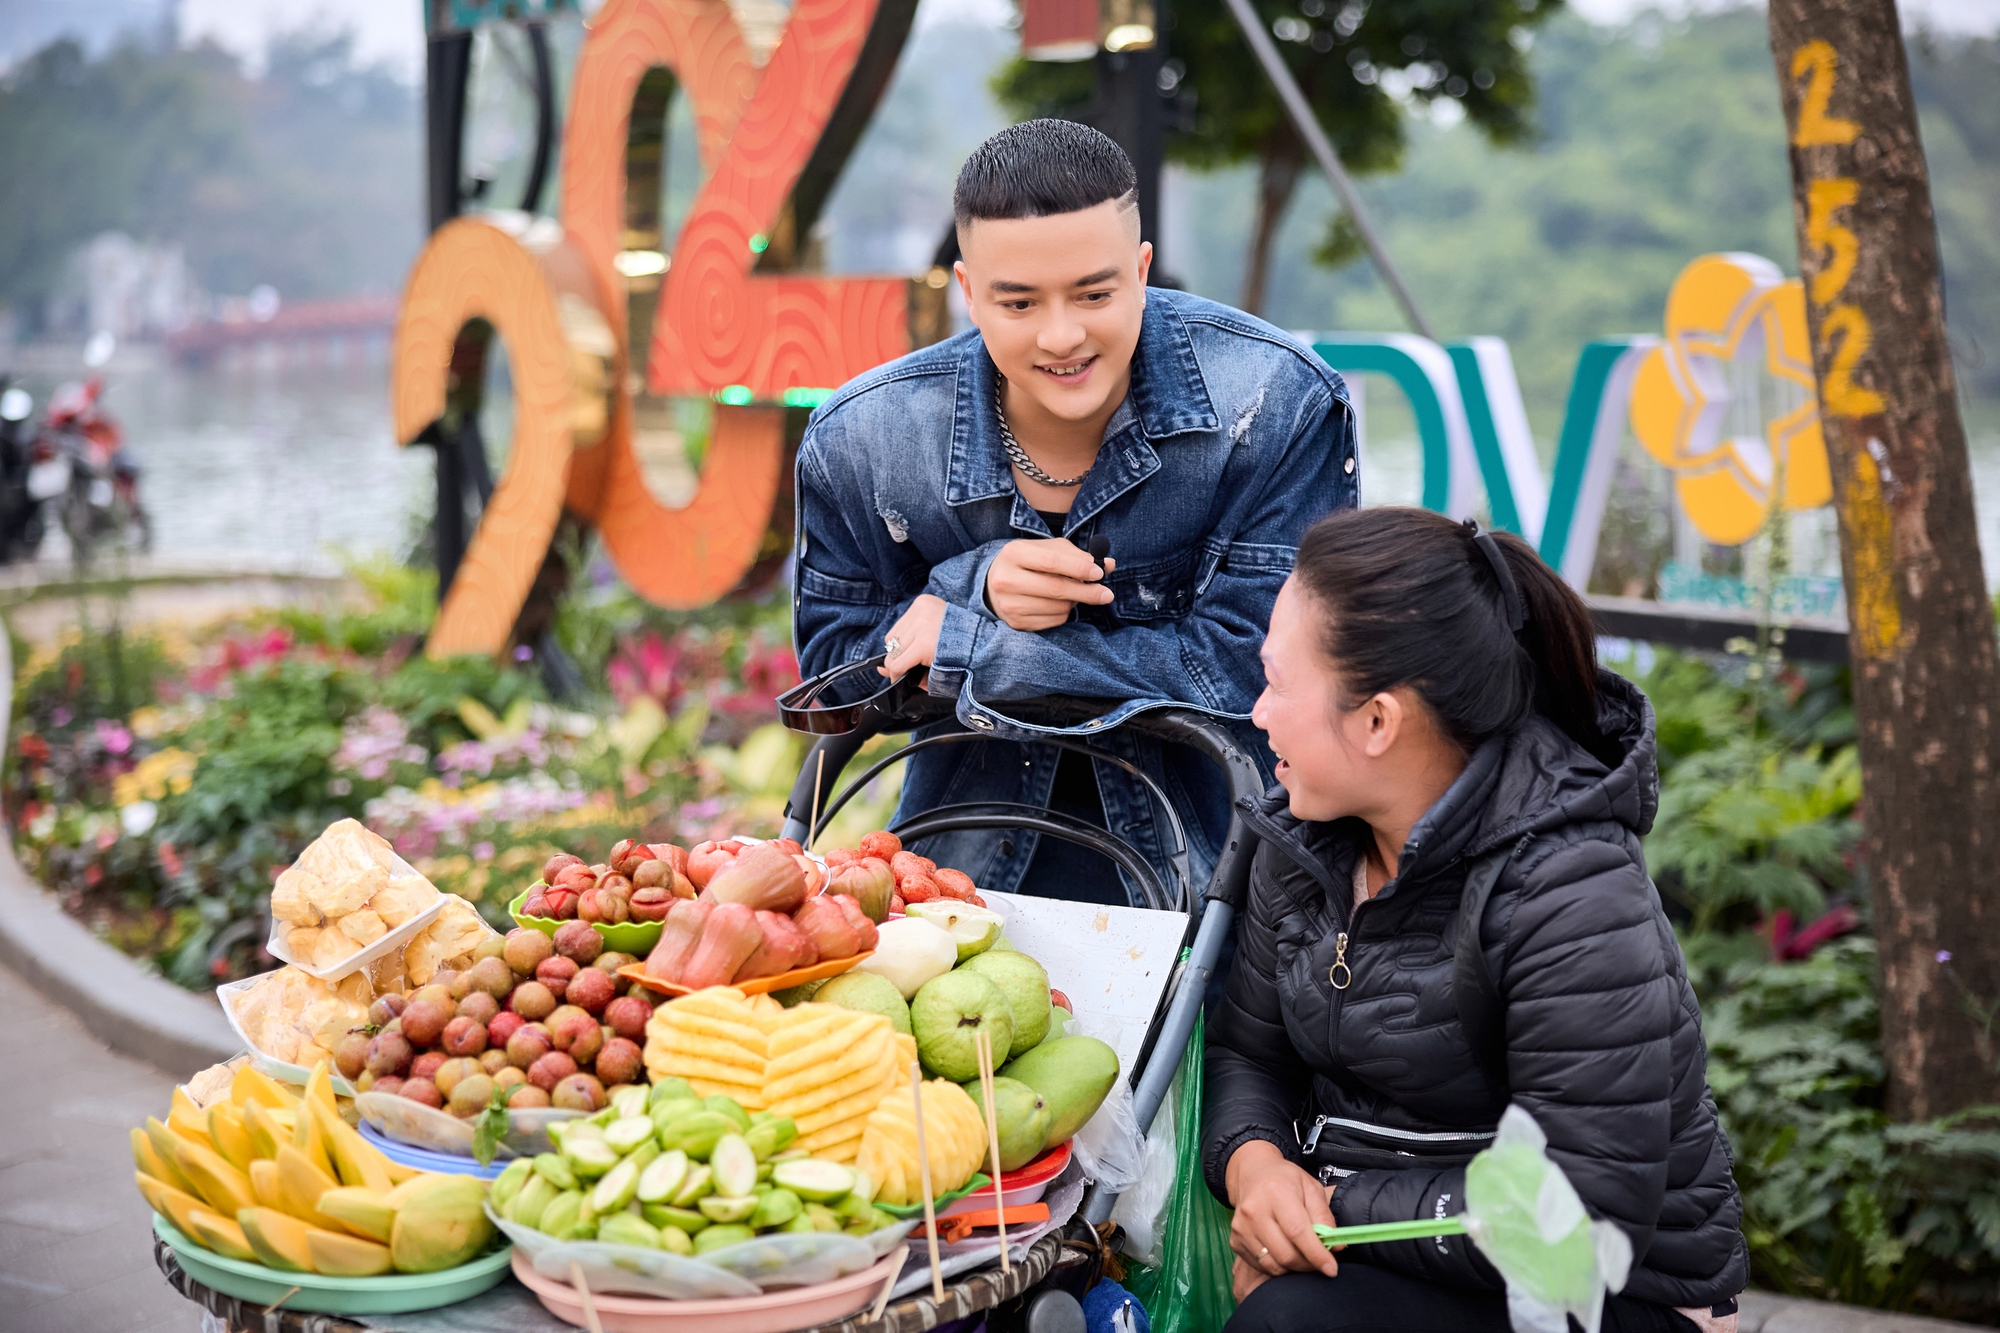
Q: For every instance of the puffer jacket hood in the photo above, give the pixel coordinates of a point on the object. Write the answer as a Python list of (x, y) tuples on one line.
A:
[(1602, 1030)]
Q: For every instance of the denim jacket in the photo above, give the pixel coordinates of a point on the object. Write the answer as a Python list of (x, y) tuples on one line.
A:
[(1232, 439)]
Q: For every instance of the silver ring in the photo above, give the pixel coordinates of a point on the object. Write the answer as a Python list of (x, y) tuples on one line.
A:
[(893, 644), (1263, 1252)]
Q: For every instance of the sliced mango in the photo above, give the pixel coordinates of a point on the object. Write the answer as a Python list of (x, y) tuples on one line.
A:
[(300, 1183), (346, 1256), (400, 1174), (174, 1205), (319, 1087), (401, 1194), (220, 1234), (147, 1158), (214, 1179), (278, 1239), (355, 1160), (363, 1211), (310, 1139), (264, 1130), (253, 1085), (226, 1130), (188, 1120), (264, 1183)]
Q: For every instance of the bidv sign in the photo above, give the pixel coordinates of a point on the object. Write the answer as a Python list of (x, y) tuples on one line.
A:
[(1732, 460)]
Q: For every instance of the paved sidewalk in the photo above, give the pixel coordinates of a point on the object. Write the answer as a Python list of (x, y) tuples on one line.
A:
[(76, 1240)]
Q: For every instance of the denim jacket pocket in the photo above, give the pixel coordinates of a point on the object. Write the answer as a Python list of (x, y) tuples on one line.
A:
[(847, 592), (1155, 589)]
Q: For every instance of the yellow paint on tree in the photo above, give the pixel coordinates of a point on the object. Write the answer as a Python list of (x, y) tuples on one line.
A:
[(1866, 530)]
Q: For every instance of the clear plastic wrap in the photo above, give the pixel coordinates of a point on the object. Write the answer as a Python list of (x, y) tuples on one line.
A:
[(422, 1126), (1141, 1209), (1109, 1146), (756, 1266)]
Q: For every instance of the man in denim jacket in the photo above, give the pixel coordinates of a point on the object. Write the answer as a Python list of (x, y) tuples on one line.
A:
[(946, 499)]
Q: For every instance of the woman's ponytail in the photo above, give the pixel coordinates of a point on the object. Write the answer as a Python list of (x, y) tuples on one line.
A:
[(1475, 623)]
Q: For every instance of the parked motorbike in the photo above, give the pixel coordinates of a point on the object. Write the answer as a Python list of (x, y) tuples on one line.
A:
[(21, 525), (79, 465)]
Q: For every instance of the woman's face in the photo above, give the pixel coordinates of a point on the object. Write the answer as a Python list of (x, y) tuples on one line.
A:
[(1322, 749)]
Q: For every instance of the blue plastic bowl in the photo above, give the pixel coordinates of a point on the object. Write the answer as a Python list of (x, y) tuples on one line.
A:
[(423, 1159)]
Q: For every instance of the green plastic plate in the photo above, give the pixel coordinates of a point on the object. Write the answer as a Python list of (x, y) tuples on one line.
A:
[(942, 1202), (634, 937), (335, 1295)]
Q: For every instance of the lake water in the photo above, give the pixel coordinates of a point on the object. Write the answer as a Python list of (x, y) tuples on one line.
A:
[(295, 464)]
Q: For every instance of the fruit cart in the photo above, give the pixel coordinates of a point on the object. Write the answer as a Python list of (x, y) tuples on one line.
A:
[(848, 707)]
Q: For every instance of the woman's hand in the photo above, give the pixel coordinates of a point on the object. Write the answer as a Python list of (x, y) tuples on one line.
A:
[(1276, 1206)]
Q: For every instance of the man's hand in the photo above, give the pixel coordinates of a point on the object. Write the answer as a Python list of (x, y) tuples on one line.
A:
[(912, 641), (1034, 583), (1276, 1206)]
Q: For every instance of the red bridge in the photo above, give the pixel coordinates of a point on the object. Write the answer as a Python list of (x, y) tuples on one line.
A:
[(294, 328)]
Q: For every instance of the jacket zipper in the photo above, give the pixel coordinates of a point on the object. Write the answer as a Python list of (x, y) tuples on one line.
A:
[(1340, 976)]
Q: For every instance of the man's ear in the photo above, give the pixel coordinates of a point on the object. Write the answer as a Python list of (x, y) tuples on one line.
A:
[(965, 290), (1145, 267)]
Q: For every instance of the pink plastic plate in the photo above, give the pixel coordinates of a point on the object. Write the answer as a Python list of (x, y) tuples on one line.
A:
[(1024, 1186), (773, 1312)]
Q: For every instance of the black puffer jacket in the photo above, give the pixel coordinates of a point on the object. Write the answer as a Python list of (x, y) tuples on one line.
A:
[(1603, 1035)]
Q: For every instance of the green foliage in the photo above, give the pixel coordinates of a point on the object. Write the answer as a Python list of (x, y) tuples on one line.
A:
[(266, 750), (401, 604), (1839, 1203), (103, 674), (1758, 789)]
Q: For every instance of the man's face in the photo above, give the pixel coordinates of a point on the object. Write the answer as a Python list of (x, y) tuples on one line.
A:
[(1058, 301)]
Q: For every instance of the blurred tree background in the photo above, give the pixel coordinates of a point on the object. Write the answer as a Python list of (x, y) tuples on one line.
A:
[(307, 177), (1652, 142)]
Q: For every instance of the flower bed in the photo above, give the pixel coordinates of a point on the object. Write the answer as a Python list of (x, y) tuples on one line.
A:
[(158, 780)]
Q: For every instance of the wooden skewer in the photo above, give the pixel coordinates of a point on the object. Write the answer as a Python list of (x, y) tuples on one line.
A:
[(812, 825), (282, 1299), (924, 1174), (583, 1294), (984, 1043), (876, 1311)]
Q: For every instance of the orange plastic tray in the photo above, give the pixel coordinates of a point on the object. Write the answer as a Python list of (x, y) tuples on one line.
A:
[(798, 976)]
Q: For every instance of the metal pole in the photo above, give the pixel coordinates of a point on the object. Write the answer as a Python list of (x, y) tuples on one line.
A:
[(1309, 129)]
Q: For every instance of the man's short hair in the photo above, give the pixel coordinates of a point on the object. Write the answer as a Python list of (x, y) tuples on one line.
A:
[(1039, 168)]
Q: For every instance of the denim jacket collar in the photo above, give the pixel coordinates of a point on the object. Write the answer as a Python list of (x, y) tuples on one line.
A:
[(1167, 396)]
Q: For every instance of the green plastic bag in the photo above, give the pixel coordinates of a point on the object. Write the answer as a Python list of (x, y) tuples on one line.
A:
[(1189, 1292)]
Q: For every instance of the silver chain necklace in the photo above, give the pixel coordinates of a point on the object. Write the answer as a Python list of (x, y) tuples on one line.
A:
[(1018, 455)]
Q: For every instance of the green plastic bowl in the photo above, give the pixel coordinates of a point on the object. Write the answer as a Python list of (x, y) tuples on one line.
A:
[(634, 937), (335, 1295)]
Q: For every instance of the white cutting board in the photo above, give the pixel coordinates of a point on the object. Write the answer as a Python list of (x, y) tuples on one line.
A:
[(1112, 962)]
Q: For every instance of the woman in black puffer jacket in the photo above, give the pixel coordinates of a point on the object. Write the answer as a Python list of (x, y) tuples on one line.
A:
[(1449, 753)]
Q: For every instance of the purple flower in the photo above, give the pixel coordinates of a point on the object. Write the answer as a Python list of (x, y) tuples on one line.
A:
[(523, 652), (482, 851), (1944, 955), (61, 716), (113, 737)]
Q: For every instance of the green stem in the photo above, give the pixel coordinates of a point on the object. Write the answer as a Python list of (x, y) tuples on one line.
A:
[(1420, 1229)]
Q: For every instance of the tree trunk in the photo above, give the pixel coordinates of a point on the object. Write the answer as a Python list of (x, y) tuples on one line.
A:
[(1926, 684), (1278, 168)]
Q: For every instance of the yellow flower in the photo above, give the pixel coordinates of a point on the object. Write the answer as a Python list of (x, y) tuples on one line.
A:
[(155, 776), (145, 722)]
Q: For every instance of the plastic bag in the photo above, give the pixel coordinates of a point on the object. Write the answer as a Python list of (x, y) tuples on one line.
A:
[(426, 1127), (1141, 1210), (1190, 1291), (785, 1259), (1109, 1146)]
